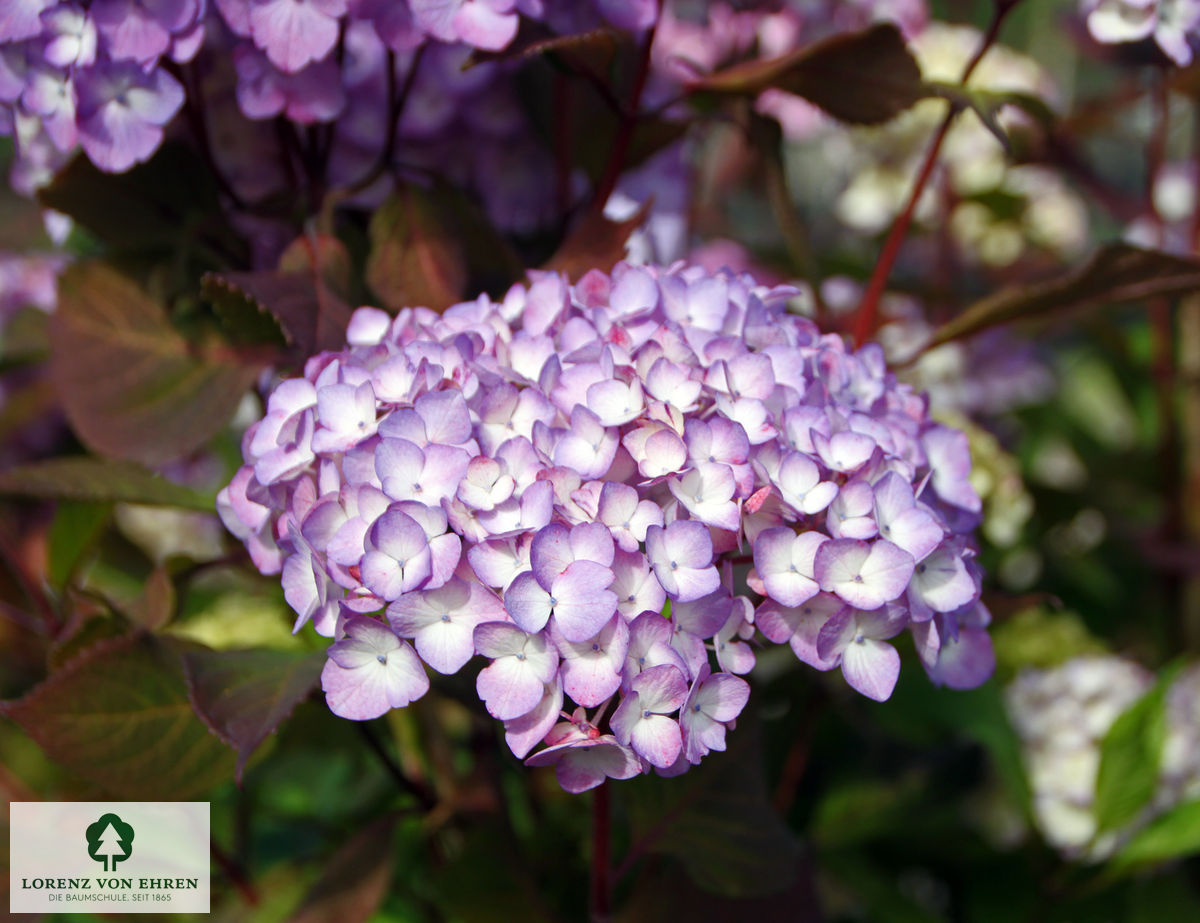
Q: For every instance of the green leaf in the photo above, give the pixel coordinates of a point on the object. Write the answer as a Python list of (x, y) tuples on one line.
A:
[(987, 105), (245, 320), (663, 892), (718, 820), (853, 812), (1129, 757), (131, 386), (100, 480), (416, 257), (149, 209), (355, 880), (310, 315), (155, 605), (89, 620), (119, 716), (73, 532), (1170, 836), (920, 712), (1118, 272), (595, 243), (864, 78), (245, 695)]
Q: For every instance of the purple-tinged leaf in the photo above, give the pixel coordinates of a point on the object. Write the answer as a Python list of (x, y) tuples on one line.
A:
[(310, 315), (595, 243), (131, 386), (243, 696), (119, 716), (1116, 273), (416, 258), (862, 77)]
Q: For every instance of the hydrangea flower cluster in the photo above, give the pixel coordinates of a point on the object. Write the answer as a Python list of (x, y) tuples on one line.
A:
[(1062, 714), (104, 75), (1173, 24), (574, 482)]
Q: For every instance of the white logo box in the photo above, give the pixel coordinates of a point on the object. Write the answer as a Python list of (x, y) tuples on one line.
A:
[(109, 856)]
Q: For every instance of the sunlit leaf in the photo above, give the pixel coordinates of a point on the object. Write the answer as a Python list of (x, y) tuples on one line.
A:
[(119, 716), (100, 480), (131, 386), (1118, 272), (864, 77), (1174, 834), (1129, 757), (245, 695)]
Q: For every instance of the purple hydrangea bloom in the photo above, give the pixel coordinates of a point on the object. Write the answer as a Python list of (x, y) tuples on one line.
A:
[(559, 483)]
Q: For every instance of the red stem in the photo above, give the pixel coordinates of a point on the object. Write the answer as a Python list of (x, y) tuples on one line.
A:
[(601, 890), (235, 874), (626, 128), (867, 319)]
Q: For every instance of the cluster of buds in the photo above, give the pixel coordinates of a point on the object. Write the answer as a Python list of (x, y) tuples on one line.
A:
[(578, 482)]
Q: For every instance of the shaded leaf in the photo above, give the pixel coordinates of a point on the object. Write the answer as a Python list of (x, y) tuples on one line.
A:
[(304, 301), (119, 716), (595, 243), (147, 209), (245, 321), (1129, 757), (245, 695), (88, 621), (718, 820), (864, 77), (355, 880), (322, 256), (490, 877), (856, 811), (1174, 834), (156, 604), (100, 479), (593, 50), (664, 893), (130, 384), (25, 337), (920, 712), (311, 317), (416, 258), (1118, 272), (73, 532)]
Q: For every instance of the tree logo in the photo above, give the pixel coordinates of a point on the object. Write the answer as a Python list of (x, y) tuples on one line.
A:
[(110, 840)]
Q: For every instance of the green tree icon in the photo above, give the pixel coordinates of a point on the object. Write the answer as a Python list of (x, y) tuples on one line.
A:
[(110, 840)]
